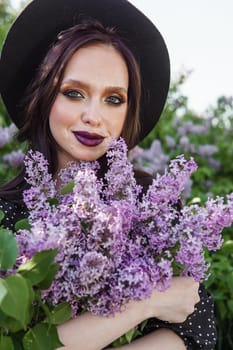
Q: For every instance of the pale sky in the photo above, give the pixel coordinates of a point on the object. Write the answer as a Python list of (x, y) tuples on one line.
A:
[(199, 36)]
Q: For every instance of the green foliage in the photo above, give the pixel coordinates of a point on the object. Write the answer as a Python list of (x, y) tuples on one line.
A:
[(7, 15), (26, 322), (220, 284), (128, 337), (8, 249), (6, 18)]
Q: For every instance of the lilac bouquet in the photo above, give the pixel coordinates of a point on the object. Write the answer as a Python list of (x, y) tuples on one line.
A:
[(114, 241)]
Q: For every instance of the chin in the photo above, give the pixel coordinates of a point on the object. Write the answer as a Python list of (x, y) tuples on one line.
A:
[(91, 157)]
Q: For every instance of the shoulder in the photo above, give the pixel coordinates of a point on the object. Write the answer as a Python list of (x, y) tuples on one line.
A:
[(13, 211)]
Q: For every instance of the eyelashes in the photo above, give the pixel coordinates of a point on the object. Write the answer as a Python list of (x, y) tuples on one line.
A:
[(111, 99), (72, 94), (115, 100)]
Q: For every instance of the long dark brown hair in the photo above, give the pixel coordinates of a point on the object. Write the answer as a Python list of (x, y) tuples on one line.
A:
[(41, 93)]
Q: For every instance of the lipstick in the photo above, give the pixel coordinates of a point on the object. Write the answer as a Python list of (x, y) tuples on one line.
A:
[(88, 139)]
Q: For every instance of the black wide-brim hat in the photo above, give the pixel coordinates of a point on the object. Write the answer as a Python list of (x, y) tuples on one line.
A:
[(37, 27)]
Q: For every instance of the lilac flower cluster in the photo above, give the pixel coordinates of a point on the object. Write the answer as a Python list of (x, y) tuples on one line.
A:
[(6, 134), (14, 159), (152, 160), (206, 151), (112, 246)]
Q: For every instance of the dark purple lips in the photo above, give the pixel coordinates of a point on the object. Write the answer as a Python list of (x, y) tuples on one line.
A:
[(88, 139)]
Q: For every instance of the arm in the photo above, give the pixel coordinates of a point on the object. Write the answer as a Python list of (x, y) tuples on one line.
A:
[(198, 331), (91, 332), (162, 339)]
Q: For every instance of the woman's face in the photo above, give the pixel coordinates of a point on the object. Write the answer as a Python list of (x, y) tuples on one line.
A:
[(91, 106)]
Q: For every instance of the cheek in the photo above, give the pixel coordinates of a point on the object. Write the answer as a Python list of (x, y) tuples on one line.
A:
[(57, 122), (60, 115), (118, 125), (56, 114)]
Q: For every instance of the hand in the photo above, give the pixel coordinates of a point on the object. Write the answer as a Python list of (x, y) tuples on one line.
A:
[(173, 305), (177, 302)]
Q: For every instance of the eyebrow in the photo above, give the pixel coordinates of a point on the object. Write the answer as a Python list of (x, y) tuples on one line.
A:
[(87, 86)]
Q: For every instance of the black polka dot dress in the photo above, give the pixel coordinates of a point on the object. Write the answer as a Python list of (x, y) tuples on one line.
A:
[(13, 211)]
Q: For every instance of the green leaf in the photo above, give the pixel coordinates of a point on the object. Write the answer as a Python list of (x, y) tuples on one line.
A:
[(222, 309), (210, 281), (119, 342), (53, 201), (41, 337), (6, 343), (51, 273), (1, 215), (22, 225), (36, 269), (8, 249), (17, 301), (230, 282), (227, 247), (177, 268), (230, 306), (61, 313), (130, 335), (125, 339), (3, 291), (143, 325), (8, 323), (55, 341), (68, 188), (3, 318), (18, 341)]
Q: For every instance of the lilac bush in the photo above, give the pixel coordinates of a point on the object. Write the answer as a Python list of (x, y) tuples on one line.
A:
[(14, 158), (6, 134), (112, 246), (11, 153)]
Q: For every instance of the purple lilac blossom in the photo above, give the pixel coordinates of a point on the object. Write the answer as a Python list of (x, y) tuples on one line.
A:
[(207, 150), (120, 184), (191, 128), (186, 145), (6, 134), (14, 158), (170, 142), (152, 160), (113, 247), (214, 163)]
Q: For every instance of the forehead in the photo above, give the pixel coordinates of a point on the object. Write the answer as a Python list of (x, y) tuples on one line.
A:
[(97, 60)]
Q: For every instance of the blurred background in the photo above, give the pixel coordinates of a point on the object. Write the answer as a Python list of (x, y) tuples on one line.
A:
[(197, 120), (199, 38)]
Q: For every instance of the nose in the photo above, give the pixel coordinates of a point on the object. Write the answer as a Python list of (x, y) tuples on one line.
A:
[(92, 113)]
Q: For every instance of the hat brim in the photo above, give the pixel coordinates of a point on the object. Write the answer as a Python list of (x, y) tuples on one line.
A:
[(37, 27)]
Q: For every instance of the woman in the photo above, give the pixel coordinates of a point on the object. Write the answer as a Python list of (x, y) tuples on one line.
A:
[(106, 75)]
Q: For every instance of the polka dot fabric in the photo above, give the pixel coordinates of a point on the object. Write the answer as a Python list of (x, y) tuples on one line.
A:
[(198, 331), (13, 211)]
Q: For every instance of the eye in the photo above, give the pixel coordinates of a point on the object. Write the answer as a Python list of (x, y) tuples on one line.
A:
[(73, 94), (115, 100)]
